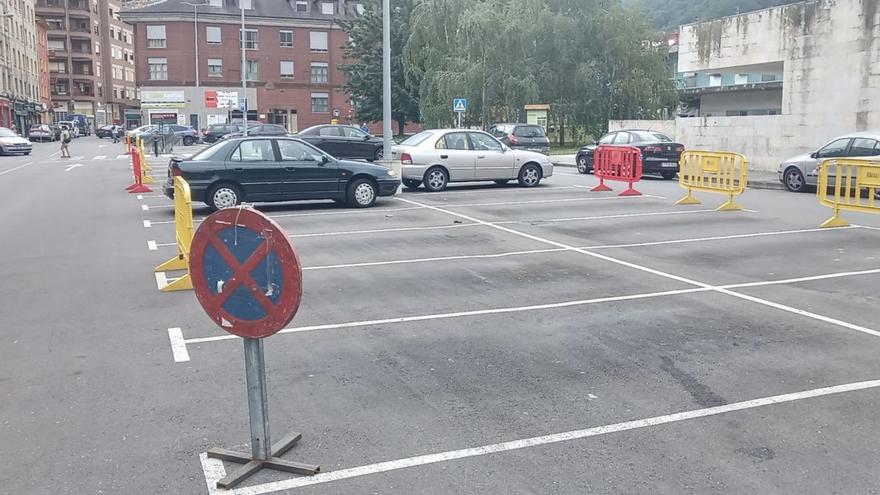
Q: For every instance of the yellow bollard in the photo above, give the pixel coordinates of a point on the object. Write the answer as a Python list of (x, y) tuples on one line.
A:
[(713, 171), (183, 227)]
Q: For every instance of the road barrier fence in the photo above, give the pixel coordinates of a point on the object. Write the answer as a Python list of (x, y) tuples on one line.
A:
[(621, 163), (183, 227), (842, 183), (715, 172)]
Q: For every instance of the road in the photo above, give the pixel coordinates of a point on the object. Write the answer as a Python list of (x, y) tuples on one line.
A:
[(487, 339)]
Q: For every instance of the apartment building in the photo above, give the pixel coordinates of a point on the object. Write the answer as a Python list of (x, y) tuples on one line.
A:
[(19, 80), (91, 60), (189, 60)]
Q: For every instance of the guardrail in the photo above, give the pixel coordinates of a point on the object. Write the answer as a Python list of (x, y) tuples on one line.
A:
[(848, 179), (715, 172), (622, 163), (183, 228)]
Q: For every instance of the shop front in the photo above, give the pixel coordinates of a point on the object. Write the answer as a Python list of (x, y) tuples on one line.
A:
[(164, 106)]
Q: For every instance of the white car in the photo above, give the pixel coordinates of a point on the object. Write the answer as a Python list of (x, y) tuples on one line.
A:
[(13, 144), (437, 157)]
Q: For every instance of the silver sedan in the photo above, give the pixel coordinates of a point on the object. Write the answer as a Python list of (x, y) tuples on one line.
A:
[(437, 157), (801, 172)]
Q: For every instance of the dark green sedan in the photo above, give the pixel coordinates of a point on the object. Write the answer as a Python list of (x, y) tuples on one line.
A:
[(264, 169)]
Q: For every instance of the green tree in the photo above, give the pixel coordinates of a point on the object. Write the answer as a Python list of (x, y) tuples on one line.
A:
[(364, 67)]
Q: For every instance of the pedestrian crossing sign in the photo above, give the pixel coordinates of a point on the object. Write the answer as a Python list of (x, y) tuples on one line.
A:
[(459, 105)]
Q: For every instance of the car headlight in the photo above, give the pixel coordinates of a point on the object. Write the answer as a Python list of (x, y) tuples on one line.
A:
[(392, 173)]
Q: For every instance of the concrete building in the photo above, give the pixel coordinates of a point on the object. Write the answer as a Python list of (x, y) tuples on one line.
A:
[(777, 82), (43, 87), (19, 81), (189, 61), (91, 60)]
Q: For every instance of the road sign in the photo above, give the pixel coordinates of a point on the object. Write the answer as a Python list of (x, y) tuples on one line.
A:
[(459, 105), (245, 272), (242, 104)]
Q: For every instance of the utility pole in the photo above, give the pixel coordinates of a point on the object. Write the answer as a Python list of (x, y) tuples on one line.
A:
[(195, 7), (386, 82), (244, 108)]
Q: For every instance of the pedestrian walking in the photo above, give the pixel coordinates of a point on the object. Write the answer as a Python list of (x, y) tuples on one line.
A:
[(115, 133), (65, 140), (365, 128)]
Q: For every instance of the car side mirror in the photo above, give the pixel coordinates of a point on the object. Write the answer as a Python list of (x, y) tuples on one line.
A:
[(324, 160), (814, 154), (367, 137), (504, 148)]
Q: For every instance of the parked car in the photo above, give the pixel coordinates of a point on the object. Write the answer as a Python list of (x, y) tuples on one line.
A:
[(437, 157), (41, 132), (522, 137), (106, 131), (56, 132), (660, 155), (801, 173), (344, 141), (259, 130), (182, 133), (11, 143), (138, 131), (258, 169), (216, 131)]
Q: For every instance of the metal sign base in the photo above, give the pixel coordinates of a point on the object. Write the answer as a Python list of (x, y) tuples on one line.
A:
[(258, 412), (251, 465)]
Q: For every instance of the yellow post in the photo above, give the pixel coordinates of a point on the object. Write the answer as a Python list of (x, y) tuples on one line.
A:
[(183, 228)]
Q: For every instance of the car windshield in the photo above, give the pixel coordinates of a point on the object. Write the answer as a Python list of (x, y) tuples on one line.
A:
[(416, 139), (530, 131), (4, 132), (650, 136)]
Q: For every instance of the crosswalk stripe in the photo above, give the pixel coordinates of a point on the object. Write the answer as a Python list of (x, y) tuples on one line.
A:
[(100, 157), (121, 157)]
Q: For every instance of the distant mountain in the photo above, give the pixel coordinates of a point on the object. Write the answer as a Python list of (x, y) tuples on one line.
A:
[(669, 14)]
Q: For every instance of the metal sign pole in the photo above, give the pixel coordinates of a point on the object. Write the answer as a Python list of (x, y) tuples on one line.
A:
[(258, 402)]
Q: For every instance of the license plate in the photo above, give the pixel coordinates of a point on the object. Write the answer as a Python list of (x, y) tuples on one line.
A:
[(669, 165)]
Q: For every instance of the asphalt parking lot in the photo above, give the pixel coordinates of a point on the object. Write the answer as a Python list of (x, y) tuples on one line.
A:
[(486, 339)]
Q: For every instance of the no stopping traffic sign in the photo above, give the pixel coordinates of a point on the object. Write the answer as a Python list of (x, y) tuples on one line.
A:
[(245, 272)]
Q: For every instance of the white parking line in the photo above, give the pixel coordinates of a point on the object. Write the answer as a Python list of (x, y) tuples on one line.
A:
[(714, 238), (152, 246), (213, 468), (382, 231), (564, 304), (658, 272), (100, 157), (122, 157), (441, 258), (178, 346), (16, 168), (602, 217), (147, 224), (145, 207)]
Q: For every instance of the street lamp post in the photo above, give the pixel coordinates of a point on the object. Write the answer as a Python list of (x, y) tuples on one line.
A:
[(195, 7), (386, 82)]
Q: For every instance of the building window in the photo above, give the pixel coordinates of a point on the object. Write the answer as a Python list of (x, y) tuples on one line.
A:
[(327, 8), (252, 69), (156, 36), (286, 69), (302, 7), (320, 103), (212, 34), (56, 45), (215, 67), (318, 41), (251, 39), (286, 39), (158, 68), (319, 72), (59, 67), (215, 3)]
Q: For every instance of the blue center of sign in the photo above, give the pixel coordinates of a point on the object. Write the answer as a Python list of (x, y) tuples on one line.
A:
[(267, 275)]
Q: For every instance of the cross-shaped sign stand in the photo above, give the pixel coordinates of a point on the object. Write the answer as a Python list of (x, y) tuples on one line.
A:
[(247, 277)]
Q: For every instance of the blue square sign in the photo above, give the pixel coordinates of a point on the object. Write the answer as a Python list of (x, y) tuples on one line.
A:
[(459, 105)]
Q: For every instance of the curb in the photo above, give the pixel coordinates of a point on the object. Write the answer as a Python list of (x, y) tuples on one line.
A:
[(753, 184)]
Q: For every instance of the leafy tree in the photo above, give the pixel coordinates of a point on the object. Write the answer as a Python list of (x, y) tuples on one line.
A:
[(364, 69)]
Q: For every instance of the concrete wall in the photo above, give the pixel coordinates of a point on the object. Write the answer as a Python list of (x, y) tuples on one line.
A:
[(830, 53), (719, 103), (759, 138)]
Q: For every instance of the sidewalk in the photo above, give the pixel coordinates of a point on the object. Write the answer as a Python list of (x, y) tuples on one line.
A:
[(757, 179)]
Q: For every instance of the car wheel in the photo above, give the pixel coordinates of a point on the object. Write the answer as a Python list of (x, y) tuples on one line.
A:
[(380, 153), (224, 196), (361, 193), (582, 164), (668, 175), (189, 140), (411, 184), (529, 175), (501, 182), (436, 179), (794, 180)]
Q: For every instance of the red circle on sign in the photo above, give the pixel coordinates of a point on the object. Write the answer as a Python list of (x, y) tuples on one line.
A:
[(245, 272)]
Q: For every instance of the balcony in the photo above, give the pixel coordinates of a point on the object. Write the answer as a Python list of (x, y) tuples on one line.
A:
[(81, 55)]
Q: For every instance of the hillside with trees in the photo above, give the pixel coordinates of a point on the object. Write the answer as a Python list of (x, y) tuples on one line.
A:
[(669, 14)]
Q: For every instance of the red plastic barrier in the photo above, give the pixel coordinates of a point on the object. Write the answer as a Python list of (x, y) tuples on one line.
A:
[(137, 171), (623, 163)]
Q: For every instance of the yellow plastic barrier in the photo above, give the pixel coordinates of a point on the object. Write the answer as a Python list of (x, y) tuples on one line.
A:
[(145, 167), (848, 178), (713, 171), (183, 223)]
